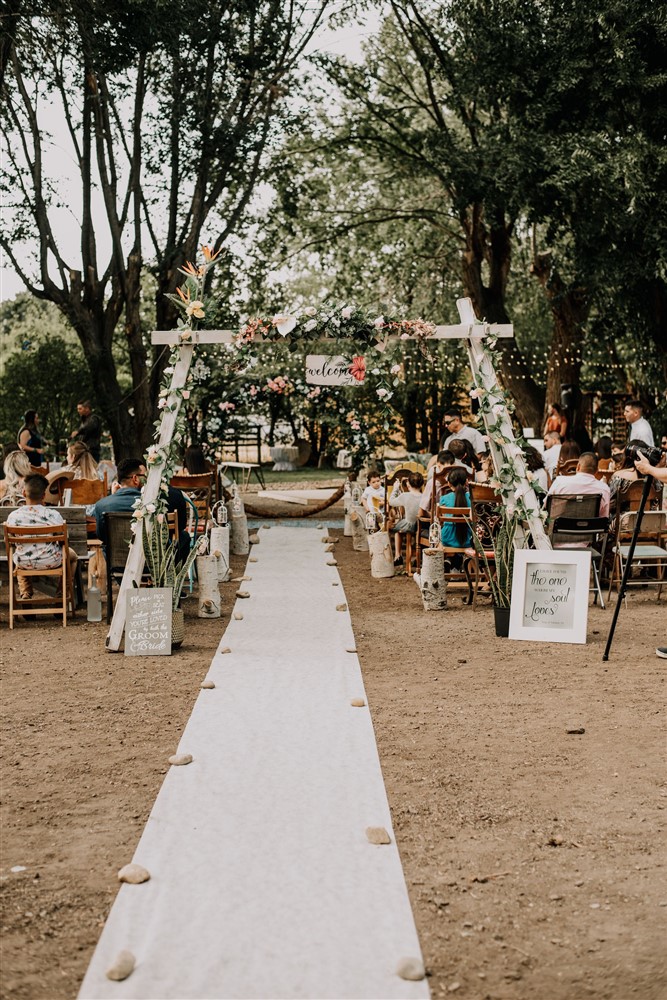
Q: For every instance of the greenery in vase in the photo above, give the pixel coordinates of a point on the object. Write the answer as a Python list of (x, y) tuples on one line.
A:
[(160, 554), (500, 573)]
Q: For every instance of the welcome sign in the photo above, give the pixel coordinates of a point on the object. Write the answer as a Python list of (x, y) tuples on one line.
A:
[(333, 369), (550, 595)]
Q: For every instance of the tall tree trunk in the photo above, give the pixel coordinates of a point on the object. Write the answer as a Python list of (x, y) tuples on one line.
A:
[(143, 408), (570, 307), (490, 249)]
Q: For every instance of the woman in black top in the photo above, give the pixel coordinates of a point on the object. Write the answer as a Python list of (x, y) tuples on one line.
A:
[(30, 440)]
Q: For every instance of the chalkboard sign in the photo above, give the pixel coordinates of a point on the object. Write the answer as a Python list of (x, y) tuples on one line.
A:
[(550, 595), (148, 621)]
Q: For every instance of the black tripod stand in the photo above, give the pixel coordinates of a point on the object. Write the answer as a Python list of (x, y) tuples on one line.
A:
[(648, 482)]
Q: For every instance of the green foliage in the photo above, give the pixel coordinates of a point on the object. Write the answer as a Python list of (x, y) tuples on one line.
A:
[(160, 554), (499, 573), (43, 370)]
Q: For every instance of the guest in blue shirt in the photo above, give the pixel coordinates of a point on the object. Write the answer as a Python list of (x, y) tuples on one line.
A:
[(131, 477), (457, 536)]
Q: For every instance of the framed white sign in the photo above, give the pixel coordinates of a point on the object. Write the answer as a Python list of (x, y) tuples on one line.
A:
[(148, 621), (330, 369), (550, 595)]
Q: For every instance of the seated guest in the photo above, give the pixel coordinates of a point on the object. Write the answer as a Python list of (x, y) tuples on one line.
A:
[(460, 451), (551, 454), (486, 470), (456, 535), (444, 460), (583, 481), (37, 555), (81, 462), (625, 472), (194, 462), (471, 459), (410, 502), (131, 478), (16, 467), (373, 491), (617, 455), (569, 450), (438, 462), (535, 466), (603, 448)]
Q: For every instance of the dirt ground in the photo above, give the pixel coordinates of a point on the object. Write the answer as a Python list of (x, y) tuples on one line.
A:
[(534, 858)]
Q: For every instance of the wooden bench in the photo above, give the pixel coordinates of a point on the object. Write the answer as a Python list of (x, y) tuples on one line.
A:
[(249, 439)]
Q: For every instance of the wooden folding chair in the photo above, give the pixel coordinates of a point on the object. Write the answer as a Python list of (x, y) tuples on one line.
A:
[(567, 468), (485, 516), (440, 487), (42, 605), (459, 578)]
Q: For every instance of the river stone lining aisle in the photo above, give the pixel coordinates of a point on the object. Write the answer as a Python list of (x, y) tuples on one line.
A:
[(263, 881)]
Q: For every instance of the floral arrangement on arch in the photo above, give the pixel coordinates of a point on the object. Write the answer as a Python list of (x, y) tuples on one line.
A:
[(514, 480)]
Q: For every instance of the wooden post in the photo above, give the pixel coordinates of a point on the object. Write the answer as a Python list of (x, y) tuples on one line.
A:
[(481, 365), (433, 584), (209, 594), (359, 536), (134, 566), (382, 557)]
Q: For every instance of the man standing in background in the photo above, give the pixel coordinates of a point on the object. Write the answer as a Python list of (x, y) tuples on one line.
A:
[(89, 430), (639, 428)]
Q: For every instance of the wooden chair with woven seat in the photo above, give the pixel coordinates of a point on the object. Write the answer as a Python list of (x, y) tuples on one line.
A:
[(567, 468), (88, 491), (42, 605)]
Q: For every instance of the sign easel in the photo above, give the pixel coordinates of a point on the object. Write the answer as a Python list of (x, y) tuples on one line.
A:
[(481, 364)]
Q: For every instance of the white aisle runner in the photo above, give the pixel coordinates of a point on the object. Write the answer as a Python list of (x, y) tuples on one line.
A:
[(263, 882)]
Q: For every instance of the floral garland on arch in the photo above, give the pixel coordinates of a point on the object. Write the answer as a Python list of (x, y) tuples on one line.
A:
[(192, 304), (377, 347), (494, 403)]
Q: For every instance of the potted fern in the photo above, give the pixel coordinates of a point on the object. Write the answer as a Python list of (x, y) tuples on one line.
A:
[(160, 555), (500, 573)]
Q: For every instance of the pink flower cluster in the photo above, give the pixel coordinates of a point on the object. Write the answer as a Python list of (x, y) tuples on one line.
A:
[(227, 407), (278, 384)]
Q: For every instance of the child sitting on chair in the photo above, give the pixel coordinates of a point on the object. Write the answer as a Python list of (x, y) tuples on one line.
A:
[(372, 492), (410, 502), (456, 536)]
